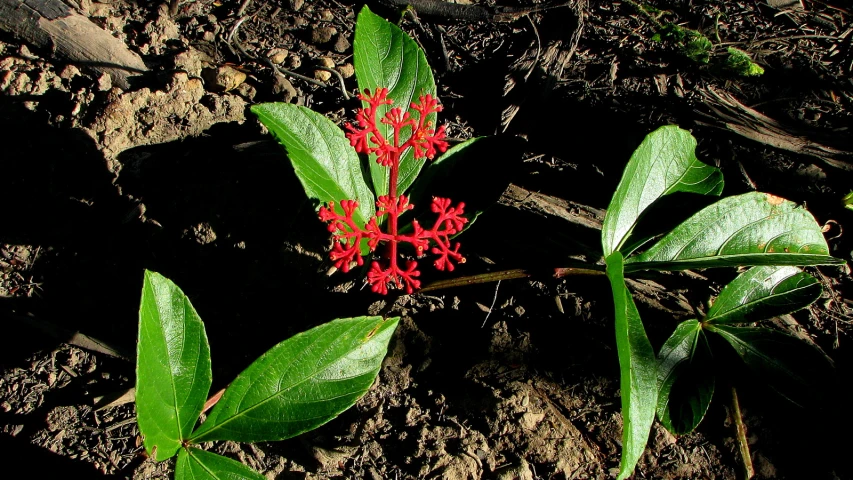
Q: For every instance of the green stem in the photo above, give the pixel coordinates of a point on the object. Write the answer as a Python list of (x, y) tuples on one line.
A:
[(743, 444)]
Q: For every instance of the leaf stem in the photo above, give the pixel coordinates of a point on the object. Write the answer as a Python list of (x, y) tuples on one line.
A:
[(507, 275), (743, 445)]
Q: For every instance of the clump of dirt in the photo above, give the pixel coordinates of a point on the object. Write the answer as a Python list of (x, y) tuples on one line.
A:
[(145, 117)]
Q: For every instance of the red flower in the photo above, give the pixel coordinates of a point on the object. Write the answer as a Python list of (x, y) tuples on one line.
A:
[(425, 142)]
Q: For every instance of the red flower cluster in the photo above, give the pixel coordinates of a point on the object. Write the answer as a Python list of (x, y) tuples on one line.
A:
[(425, 142)]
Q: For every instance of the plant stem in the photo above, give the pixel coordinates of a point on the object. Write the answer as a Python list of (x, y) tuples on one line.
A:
[(743, 444), (507, 275)]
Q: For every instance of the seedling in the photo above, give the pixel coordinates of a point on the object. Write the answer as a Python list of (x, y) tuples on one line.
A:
[(296, 386), (753, 229), (395, 131)]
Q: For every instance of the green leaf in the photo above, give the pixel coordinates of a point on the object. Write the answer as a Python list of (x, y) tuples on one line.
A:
[(450, 175), (195, 464), (793, 368), (664, 163), (173, 373), (301, 383), (322, 157), (739, 62), (685, 379), (638, 368), (764, 292), (385, 57), (750, 229)]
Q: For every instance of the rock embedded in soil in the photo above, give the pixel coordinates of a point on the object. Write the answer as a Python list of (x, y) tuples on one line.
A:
[(323, 75), (144, 117), (222, 79), (284, 89), (321, 35)]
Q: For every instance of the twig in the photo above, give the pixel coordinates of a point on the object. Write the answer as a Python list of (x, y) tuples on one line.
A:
[(340, 79), (743, 445), (493, 304), (243, 7), (475, 279), (781, 39), (281, 71), (538, 48)]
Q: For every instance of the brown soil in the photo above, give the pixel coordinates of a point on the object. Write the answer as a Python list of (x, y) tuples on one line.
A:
[(514, 380)]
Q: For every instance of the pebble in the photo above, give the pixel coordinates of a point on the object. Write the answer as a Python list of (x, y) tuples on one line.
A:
[(326, 15), (277, 55), (322, 35), (222, 79), (296, 5), (346, 70), (284, 88), (342, 44), (323, 75)]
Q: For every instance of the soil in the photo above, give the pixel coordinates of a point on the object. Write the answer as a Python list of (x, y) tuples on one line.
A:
[(510, 380)]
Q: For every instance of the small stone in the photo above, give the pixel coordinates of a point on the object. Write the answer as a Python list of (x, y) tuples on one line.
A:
[(323, 75), (294, 62), (222, 79), (342, 44), (346, 70), (284, 88), (69, 72), (322, 35), (277, 55), (208, 36), (246, 91), (300, 22), (296, 5), (105, 82), (202, 233), (326, 15)]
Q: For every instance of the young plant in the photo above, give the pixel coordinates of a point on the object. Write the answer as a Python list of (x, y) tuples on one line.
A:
[(296, 386), (753, 229), (689, 364), (395, 130)]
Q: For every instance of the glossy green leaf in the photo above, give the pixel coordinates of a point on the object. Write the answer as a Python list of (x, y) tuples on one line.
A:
[(195, 464), (385, 57), (750, 229), (449, 176), (764, 292), (324, 161), (638, 369), (793, 368), (301, 383), (664, 163), (173, 374), (685, 379)]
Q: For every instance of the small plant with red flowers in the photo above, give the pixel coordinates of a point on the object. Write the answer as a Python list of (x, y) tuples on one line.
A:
[(425, 142), (396, 132)]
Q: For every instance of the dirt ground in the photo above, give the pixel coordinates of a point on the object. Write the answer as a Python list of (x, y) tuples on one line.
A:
[(511, 380)]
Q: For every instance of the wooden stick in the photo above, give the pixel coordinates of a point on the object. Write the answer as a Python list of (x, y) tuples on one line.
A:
[(51, 24)]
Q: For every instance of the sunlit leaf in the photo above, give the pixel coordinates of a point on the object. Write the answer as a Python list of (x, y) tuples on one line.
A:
[(173, 374), (321, 155), (764, 292), (301, 383), (750, 229), (386, 57), (638, 370), (664, 163), (195, 464)]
